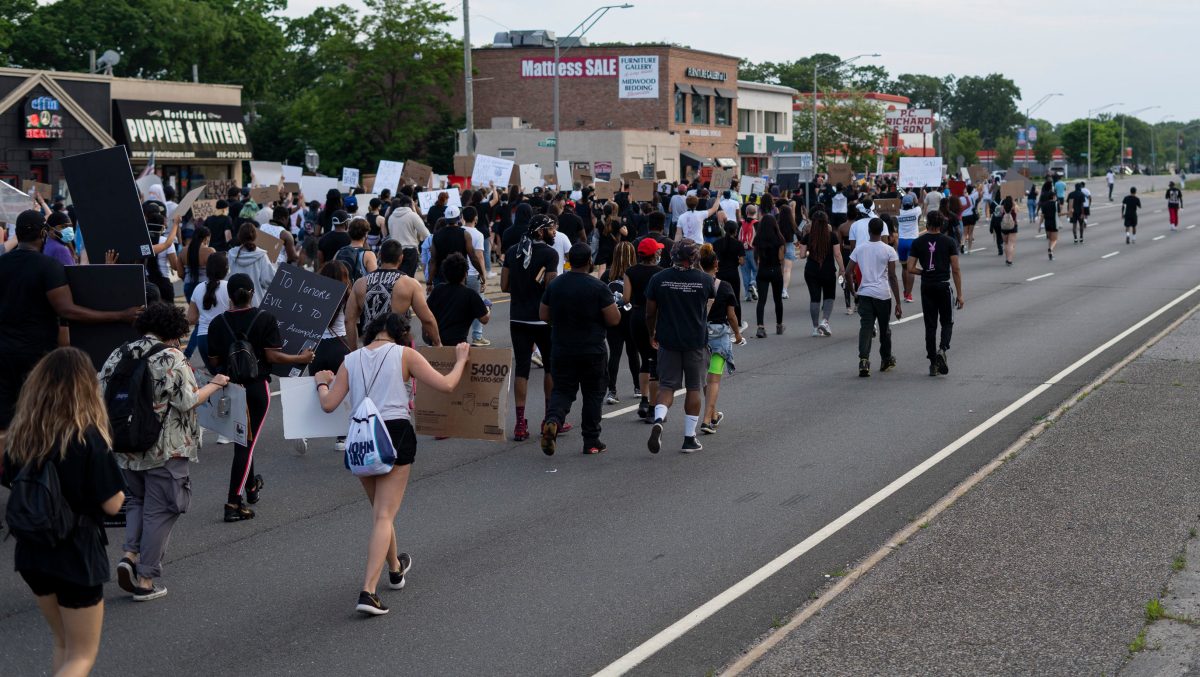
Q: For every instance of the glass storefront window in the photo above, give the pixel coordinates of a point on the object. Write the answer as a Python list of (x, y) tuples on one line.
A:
[(699, 109), (724, 106), (680, 107)]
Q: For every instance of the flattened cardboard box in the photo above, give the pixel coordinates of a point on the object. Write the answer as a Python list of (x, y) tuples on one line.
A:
[(475, 410)]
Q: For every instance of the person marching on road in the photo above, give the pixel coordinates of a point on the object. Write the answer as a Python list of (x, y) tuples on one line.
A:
[(1008, 228), (1129, 207), (579, 309), (908, 229), (935, 258), (822, 267), (636, 278), (723, 334), (529, 266), (876, 262), (676, 315), (1075, 202), (1111, 179), (1174, 204), (1048, 219)]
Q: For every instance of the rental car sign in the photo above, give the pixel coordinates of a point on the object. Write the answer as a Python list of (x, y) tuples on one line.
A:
[(911, 121)]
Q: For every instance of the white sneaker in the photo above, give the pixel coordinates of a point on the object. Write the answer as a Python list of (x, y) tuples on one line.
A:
[(744, 326), (824, 329), (340, 445), (816, 332), (221, 439), (785, 294), (301, 446)]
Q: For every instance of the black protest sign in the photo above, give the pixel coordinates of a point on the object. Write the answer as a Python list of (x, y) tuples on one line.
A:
[(107, 204), (105, 288), (304, 304)]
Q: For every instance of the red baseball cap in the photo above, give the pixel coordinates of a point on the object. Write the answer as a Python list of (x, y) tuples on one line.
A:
[(649, 246)]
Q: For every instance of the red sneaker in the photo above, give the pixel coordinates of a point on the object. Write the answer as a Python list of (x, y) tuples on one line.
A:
[(908, 298), (521, 430), (565, 428)]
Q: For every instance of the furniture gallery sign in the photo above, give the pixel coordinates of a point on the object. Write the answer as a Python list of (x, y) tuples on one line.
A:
[(705, 74), (637, 76), (182, 131), (43, 118)]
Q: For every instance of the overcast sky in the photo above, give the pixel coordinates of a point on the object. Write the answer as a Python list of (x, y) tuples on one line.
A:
[(1094, 53)]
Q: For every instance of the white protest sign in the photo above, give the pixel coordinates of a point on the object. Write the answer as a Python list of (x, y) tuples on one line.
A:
[(920, 172), (317, 187), (531, 177), (292, 174), (562, 170), (428, 198), (265, 173), (491, 171), (145, 183), (13, 202), (752, 185), (350, 177), (440, 180), (225, 412), (387, 177), (303, 416)]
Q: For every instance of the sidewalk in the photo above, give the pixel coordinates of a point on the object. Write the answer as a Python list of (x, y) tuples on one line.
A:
[(1047, 565)]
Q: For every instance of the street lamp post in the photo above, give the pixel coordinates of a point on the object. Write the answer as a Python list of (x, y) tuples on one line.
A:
[(594, 17), (1029, 111), (1179, 144), (1089, 119), (816, 71), (1121, 150), (1154, 148)]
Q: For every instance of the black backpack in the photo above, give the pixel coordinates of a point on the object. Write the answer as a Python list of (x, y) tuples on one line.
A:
[(352, 257), (241, 363), (129, 397), (37, 513), (712, 227)]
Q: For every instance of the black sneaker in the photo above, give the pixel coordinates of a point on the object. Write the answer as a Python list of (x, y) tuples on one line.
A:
[(549, 435), (888, 364), (370, 604), (691, 446), (716, 422), (396, 578), (864, 368), (147, 594), (594, 448), (942, 367), (655, 441), (643, 410), (254, 489), (125, 575), (708, 428), (236, 512), (933, 370)]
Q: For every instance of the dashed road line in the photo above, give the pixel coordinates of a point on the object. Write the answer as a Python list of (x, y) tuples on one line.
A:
[(1110, 255), (1158, 238), (1191, 226), (633, 407), (1038, 277)]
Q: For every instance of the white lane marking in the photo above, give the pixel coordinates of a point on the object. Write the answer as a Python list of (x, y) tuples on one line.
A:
[(1158, 238), (908, 318), (275, 394), (977, 249), (680, 627), (1110, 255), (1191, 226), (1038, 277), (633, 407)]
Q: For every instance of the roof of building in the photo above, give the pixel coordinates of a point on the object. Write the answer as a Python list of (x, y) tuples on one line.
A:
[(603, 47), (764, 87), (874, 96), (99, 77)]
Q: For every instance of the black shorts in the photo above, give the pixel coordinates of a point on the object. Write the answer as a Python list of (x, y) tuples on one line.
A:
[(524, 338), (70, 595), (404, 440), (682, 368), (1076, 218), (970, 219), (641, 342)]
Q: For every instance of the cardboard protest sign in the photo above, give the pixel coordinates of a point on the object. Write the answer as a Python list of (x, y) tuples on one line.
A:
[(604, 190), (107, 204), (270, 244), (888, 206), (464, 165), (752, 185), (530, 177), (350, 177), (13, 202), (218, 189), (264, 195), (514, 179), (265, 173), (475, 409), (317, 187), (416, 173), (428, 198), (105, 288), (840, 172), (202, 209), (660, 174), (304, 304), (387, 177), (188, 200), (641, 190), (491, 171), (629, 177), (1015, 186), (722, 178), (43, 189), (978, 174), (303, 417), (920, 172), (225, 413)]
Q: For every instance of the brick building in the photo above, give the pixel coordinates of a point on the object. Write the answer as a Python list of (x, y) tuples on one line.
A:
[(682, 102)]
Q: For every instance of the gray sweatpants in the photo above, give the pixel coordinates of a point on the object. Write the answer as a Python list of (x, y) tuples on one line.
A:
[(154, 500)]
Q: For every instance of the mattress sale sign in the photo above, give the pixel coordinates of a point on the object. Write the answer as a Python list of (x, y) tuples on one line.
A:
[(571, 67), (637, 77)]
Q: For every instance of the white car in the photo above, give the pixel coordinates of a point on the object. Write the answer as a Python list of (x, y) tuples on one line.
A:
[(998, 176)]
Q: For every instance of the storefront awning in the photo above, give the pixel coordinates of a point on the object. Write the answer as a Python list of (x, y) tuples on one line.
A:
[(686, 89), (703, 91), (726, 162), (692, 159), (181, 131), (726, 93)]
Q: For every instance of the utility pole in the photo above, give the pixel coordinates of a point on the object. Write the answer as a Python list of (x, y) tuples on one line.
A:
[(469, 80), (601, 11), (1028, 143)]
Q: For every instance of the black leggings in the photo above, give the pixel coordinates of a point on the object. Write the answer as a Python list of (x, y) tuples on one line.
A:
[(647, 355), (821, 285), (258, 401), (773, 278), (621, 336), (734, 278), (329, 355)]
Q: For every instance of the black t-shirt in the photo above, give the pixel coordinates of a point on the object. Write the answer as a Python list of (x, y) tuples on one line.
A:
[(455, 307), (1075, 198), (728, 250), (788, 230), (724, 300), (664, 254), (512, 236), (1129, 205), (527, 284), (607, 245), (218, 225), (28, 323), (577, 302), (1174, 197), (331, 242), (261, 330), (89, 476), (484, 222), (447, 241), (639, 276), (682, 297), (571, 225), (827, 266), (933, 252)]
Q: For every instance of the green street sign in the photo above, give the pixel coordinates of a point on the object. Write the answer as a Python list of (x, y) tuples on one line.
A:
[(548, 143)]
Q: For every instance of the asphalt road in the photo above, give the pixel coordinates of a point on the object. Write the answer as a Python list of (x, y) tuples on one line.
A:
[(548, 566)]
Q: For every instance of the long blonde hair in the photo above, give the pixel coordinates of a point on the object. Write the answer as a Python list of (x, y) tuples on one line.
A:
[(59, 402), (623, 259)]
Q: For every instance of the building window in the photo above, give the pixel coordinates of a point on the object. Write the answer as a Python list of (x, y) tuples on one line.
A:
[(724, 107), (508, 153), (680, 107), (771, 122), (699, 109), (745, 118)]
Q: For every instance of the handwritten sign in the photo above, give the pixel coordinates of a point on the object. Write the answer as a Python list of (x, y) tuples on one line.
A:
[(840, 172), (202, 209), (218, 189), (304, 304), (13, 202), (264, 195), (753, 186), (417, 173), (641, 190), (978, 174), (387, 176), (604, 190), (920, 172), (722, 178), (428, 198), (350, 176), (265, 173), (491, 171)]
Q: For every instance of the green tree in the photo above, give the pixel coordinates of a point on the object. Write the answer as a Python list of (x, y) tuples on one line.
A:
[(966, 143), (850, 127), (13, 15), (1006, 150), (987, 104), (924, 91), (1043, 148), (1105, 139)]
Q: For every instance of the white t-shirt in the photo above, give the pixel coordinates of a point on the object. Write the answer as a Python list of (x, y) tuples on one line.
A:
[(562, 245), (860, 231), (164, 263), (1110, 178), (731, 209), (1087, 198), (691, 225), (968, 204), (872, 259), (933, 200), (477, 242), (839, 203), (906, 223), (207, 316)]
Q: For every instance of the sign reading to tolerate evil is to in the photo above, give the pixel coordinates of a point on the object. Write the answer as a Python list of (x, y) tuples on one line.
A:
[(303, 303)]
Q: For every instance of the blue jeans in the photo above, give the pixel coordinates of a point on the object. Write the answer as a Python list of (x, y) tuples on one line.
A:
[(749, 270), (1032, 204), (200, 343), (476, 325), (487, 254)]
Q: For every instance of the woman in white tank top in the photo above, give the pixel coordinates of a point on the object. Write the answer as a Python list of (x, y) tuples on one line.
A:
[(382, 369)]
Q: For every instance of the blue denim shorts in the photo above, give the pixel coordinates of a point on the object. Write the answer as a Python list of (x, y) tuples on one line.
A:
[(789, 253)]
